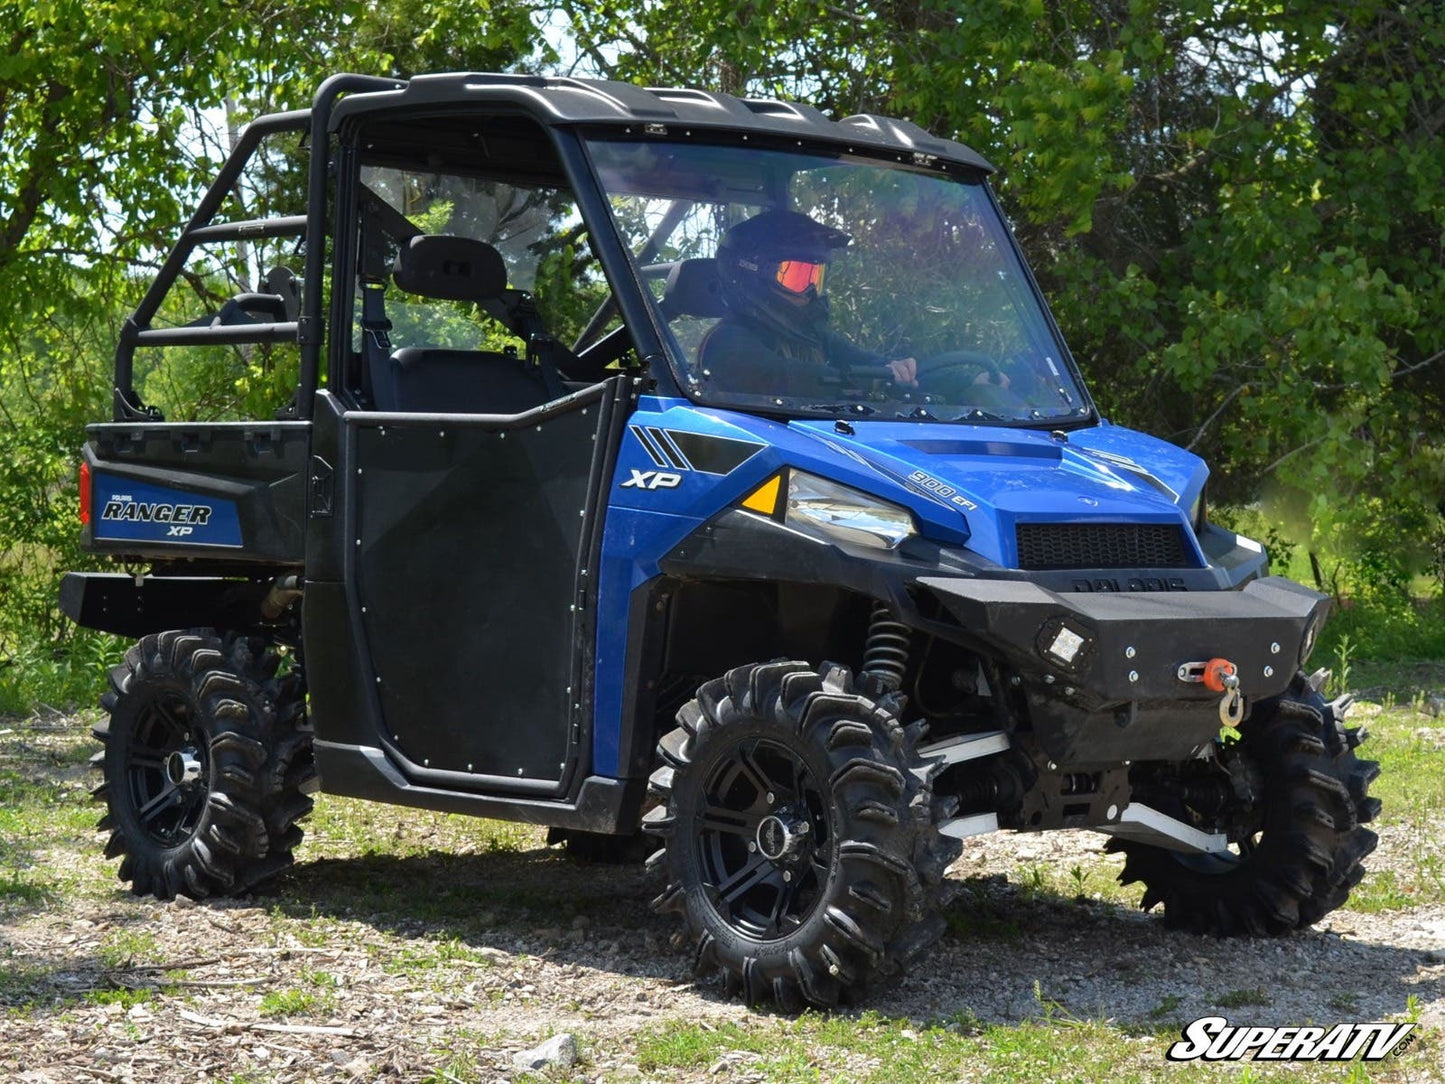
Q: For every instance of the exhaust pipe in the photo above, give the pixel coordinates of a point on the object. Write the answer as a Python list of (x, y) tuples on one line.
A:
[(284, 591)]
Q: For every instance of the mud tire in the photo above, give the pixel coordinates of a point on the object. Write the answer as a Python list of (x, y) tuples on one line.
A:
[(864, 898), (1310, 840), (219, 702)]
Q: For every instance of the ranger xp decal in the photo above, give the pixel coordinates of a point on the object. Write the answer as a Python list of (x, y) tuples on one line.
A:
[(179, 516), (132, 511)]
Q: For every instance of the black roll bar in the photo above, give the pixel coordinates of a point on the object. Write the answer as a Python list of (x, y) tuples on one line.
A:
[(311, 330), (308, 331)]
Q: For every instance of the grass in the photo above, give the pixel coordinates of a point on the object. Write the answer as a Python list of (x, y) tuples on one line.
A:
[(45, 808), (124, 996), (29, 887), (1243, 999), (1345, 1003), (1095, 880), (870, 1048), (21, 983), (455, 1059), (1166, 1007), (1410, 747), (976, 917), (433, 889), (296, 1001), (128, 947), (432, 956)]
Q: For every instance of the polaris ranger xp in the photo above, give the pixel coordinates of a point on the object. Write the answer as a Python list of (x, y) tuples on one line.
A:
[(805, 552)]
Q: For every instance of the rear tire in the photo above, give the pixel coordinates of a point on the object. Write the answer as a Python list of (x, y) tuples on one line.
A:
[(801, 845), (207, 764), (1300, 838)]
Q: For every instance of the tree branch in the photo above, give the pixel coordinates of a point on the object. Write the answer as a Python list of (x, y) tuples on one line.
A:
[(1431, 360), (1291, 454), (1231, 397), (38, 176)]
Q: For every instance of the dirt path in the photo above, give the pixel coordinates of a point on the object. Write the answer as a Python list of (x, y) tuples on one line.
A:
[(446, 954)]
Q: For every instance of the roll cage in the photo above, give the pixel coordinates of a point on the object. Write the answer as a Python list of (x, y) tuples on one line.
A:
[(284, 310)]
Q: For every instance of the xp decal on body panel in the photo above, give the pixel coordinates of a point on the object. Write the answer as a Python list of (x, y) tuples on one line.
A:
[(127, 510)]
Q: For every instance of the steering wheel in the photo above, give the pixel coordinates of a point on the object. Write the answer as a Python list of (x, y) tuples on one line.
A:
[(954, 376)]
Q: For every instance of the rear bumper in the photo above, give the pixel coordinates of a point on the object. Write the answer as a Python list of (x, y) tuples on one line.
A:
[(1130, 646), (120, 603)]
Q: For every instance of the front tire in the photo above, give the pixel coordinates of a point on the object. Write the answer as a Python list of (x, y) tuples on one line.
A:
[(1296, 823), (801, 844), (207, 762)]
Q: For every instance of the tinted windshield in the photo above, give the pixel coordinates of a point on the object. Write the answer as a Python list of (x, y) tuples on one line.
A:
[(836, 285)]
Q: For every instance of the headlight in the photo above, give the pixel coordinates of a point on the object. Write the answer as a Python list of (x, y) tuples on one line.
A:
[(843, 514)]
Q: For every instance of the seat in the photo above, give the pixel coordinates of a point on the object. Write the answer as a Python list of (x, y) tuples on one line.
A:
[(441, 380), (693, 289), (691, 303), (432, 380)]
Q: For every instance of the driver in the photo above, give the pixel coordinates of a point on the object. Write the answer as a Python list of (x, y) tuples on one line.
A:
[(775, 338)]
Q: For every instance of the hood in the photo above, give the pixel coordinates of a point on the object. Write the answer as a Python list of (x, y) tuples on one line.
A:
[(996, 479)]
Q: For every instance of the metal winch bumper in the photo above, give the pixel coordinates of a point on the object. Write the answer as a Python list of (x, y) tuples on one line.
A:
[(1105, 674)]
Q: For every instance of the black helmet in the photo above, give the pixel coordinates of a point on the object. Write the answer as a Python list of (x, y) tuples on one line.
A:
[(772, 268)]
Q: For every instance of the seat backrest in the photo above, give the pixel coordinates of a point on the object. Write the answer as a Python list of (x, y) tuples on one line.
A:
[(432, 380), (450, 268), (693, 289)]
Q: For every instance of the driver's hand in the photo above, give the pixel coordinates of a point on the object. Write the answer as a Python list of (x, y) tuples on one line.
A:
[(987, 377), (905, 371)]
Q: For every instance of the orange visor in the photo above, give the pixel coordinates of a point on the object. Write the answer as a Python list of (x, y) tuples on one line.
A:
[(797, 275)]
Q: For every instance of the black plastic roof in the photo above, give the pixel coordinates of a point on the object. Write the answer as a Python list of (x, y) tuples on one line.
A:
[(600, 102)]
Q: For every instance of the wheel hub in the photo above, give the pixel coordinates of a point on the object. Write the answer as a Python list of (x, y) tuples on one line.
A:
[(762, 833), (780, 836), (182, 767)]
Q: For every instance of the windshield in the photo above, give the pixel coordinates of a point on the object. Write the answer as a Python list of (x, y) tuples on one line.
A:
[(835, 285)]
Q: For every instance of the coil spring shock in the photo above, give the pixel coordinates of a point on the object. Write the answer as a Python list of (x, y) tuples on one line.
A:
[(886, 653)]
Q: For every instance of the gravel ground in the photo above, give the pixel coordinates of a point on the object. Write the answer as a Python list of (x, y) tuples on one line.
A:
[(394, 996)]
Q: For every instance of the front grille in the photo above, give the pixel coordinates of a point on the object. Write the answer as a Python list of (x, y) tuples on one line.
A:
[(1045, 546)]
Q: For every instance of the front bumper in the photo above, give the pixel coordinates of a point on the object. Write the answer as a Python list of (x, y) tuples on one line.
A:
[(1119, 696), (1131, 645)]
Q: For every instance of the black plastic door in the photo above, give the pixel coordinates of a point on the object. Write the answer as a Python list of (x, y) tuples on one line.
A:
[(470, 538)]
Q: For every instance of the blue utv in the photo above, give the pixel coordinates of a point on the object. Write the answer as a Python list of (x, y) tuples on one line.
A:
[(803, 554)]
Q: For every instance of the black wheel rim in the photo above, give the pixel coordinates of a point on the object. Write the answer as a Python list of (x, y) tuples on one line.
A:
[(763, 838), (167, 771)]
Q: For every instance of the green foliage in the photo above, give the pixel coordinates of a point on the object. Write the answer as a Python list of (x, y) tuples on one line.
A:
[(63, 671), (1380, 632), (114, 116), (1234, 210), (290, 1002)]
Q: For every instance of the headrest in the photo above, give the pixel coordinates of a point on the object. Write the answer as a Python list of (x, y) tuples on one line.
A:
[(693, 289), (450, 268)]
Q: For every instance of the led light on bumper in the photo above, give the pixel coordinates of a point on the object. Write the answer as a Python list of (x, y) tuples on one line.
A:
[(844, 514)]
